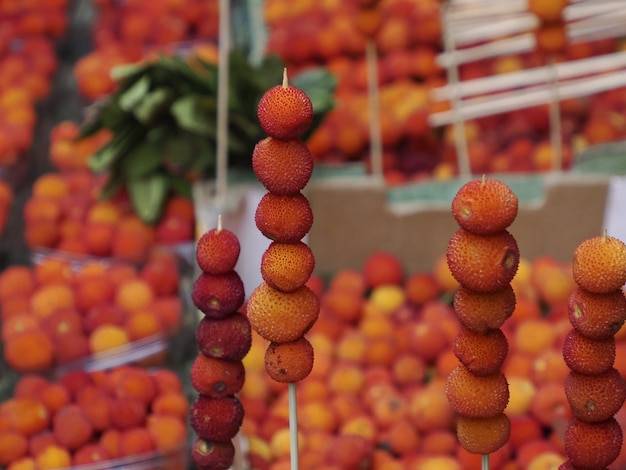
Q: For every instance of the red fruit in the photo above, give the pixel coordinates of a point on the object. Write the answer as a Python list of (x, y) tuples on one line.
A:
[(218, 296), (381, 268), (217, 251), (216, 377), (482, 353), (593, 445), (588, 356), (484, 263), (283, 167), (284, 219), (208, 455), (485, 206), (229, 338), (284, 111), (597, 316), (595, 398), (216, 419), (483, 435)]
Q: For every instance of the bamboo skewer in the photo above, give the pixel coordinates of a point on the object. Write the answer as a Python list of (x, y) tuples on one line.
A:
[(293, 427), (376, 146), (222, 104)]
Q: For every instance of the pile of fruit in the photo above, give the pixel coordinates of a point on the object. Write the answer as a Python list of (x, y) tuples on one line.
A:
[(54, 314), (325, 32), (28, 32), (384, 348), (122, 415), (126, 32)]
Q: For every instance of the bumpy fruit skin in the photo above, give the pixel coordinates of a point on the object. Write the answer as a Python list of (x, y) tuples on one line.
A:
[(597, 316), (483, 435), (287, 266), (485, 206), (228, 338), (283, 167), (281, 317), (284, 219), (482, 353), (484, 263), (599, 264), (477, 397), (593, 445), (217, 251), (218, 296), (289, 362), (588, 356), (285, 112), (481, 311), (212, 455), (216, 419), (216, 378), (595, 398)]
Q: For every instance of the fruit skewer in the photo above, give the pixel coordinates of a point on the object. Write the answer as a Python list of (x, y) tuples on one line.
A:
[(594, 388), (483, 257), (224, 337), (283, 308)]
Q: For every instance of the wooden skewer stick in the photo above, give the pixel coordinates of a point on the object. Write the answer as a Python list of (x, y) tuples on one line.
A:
[(376, 146), (485, 462), (293, 427), (221, 172), (556, 140)]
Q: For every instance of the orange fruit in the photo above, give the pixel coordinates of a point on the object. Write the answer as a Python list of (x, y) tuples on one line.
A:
[(484, 263), (599, 264), (51, 297), (13, 445), (15, 280), (25, 415), (287, 266), (133, 295), (477, 396), (382, 267), (547, 12), (485, 206), (283, 167), (289, 362), (483, 435), (53, 456), (284, 219), (105, 337), (279, 316), (167, 432), (284, 111), (29, 351)]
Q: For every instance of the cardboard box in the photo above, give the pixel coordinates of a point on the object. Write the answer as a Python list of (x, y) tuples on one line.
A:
[(354, 217)]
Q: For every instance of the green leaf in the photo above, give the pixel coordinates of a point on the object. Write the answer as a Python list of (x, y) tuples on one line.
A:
[(127, 71), (148, 195), (195, 114), (153, 105), (319, 85), (134, 94), (142, 159), (103, 159)]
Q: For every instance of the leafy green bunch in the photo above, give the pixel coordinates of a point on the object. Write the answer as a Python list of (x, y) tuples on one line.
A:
[(163, 123)]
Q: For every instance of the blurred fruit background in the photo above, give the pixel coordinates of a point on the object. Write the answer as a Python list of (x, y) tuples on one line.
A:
[(107, 123)]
